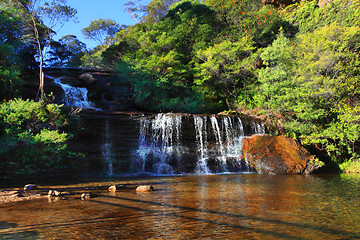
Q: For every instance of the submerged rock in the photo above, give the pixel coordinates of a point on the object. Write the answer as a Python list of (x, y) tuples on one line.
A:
[(275, 155)]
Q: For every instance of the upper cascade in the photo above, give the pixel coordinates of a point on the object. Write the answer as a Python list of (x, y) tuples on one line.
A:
[(75, 96), (198, 144)]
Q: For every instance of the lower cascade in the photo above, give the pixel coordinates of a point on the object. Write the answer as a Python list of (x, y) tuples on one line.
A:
[(197, 144)]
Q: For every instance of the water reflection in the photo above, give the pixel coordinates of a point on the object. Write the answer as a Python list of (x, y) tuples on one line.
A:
[(198, 207)]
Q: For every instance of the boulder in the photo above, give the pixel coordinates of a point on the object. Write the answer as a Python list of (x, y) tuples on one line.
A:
[(275, 155), (87, 78), (144, 188)]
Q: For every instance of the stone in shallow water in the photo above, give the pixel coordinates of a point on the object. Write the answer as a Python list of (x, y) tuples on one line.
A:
[(112, 188), (29, 187), (144, 188), (85, 196)]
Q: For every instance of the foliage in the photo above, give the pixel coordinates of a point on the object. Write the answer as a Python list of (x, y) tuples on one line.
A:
[(10, 47), (350, 166), (307, 16), (224, 70), (67, 51), (31, 140), (101, 31)]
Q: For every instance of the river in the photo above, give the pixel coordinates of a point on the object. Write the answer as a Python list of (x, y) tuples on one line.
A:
[(232, 206)]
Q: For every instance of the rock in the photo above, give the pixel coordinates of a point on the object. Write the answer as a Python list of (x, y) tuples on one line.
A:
[(144, 188), (29, 187), (112, 188), (85, 196), (87, 78), (56, 193), (275, 155)]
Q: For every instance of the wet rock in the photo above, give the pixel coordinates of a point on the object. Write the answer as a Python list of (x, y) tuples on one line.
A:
[(87, 78), (275, 155), (29, 187), (54, 193), (144, 188), (112, 188), (85, 196)]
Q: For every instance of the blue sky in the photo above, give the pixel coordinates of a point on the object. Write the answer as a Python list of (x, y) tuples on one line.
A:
[(95, 9)]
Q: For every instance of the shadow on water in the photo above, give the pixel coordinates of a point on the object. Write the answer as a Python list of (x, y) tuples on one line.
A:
[(11, 231), (16, 235), (241, 216)]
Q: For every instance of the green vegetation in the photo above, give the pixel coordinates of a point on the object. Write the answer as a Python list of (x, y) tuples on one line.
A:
[(295, 67), (32, 141)]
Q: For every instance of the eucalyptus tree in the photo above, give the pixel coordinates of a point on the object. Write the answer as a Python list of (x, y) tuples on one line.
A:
[(101, 31), (43, 18), (152, 12)]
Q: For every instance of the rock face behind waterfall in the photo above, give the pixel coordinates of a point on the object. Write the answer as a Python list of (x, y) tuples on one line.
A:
[(275, 155)]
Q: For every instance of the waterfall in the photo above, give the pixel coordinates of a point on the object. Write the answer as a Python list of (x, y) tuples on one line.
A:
[(199, 144), (159, 143), (201, 140), (106, 150), (75, 96)]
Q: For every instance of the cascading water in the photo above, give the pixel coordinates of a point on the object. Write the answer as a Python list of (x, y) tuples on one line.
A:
[(175, 144), (106, 150), (75, 96), (159, 143), (201, 140)]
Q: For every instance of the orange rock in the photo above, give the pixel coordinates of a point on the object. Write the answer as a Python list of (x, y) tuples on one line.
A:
[(275, 154)]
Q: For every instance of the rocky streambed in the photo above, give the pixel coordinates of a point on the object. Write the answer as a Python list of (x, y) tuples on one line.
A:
[(32, 191)]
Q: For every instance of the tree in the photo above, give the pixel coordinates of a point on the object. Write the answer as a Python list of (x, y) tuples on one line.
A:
[(68, 50), (224, 71), (101, 31), (42, 17), (135, 9), (10, 48)]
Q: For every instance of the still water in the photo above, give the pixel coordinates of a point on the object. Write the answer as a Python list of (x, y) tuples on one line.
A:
[(238, 206)]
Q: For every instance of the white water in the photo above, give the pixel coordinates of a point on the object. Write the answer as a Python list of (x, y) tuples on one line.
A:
[(106, 149), (75, 96), (159, 140), (201, 140), (218, 142)]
